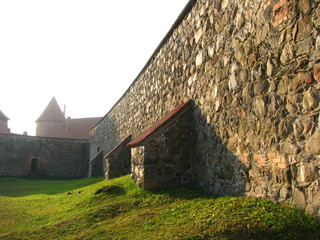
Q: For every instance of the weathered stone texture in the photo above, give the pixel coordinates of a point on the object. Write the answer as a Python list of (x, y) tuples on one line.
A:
[(95, 165), (167, 158), (118, 163), (252, 69), (53, 156)]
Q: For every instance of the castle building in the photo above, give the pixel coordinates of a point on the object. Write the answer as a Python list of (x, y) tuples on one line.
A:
[(4, 123), (53, 123), (228, 102), (252, 72)]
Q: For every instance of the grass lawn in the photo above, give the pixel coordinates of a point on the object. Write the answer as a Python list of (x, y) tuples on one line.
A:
[(117, 209)]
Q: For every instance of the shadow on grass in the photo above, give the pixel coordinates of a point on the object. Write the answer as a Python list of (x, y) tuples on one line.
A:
[(237, 217), (24, 186), (186, 193), (287, 233), (111, 190)]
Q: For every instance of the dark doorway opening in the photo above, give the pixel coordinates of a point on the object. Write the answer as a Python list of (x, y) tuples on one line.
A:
[(34, 164)]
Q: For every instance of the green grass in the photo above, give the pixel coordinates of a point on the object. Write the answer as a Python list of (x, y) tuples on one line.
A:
[(118, 209)]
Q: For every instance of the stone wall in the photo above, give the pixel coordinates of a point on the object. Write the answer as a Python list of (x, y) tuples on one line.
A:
[(95, 165), (252, 69), (118, 161), (166, 159), (26, 155), (118, 164)]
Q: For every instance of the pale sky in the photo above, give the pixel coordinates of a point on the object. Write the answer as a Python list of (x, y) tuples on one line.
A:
[(86, 53)]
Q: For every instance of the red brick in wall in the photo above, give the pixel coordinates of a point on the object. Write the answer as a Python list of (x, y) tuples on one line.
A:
[(281, 11)]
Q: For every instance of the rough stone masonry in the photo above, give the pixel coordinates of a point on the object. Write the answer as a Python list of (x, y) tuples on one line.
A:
[(252, 69), (41, 156)]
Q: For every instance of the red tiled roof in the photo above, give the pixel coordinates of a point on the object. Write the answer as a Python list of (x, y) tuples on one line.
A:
[(158, 126), (52, 112), (3, 117), (77, 128), (125, 141)]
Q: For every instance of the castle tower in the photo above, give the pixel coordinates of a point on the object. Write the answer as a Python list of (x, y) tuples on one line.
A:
[(50, 120), (4, 123)]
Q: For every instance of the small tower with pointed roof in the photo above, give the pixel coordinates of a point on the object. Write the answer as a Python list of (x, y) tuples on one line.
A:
[(51, 118), (4, 123)]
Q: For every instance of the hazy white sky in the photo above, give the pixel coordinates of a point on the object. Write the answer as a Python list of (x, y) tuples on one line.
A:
[(86, 53)]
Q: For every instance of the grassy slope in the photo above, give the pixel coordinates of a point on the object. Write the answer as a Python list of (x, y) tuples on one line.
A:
[(118, 209)]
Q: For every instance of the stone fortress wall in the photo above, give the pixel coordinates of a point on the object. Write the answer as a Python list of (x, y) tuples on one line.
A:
[(41, 156), (252, 71)]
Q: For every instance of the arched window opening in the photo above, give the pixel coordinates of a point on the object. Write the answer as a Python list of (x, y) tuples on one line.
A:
[(34, 164)]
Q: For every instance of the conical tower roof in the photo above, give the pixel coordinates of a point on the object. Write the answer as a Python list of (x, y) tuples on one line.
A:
[(3, 117), (52, 112)]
